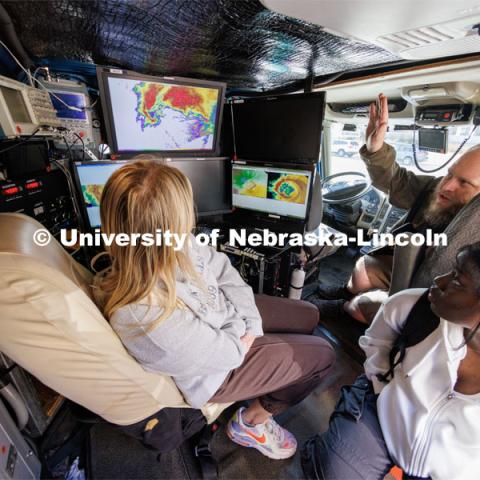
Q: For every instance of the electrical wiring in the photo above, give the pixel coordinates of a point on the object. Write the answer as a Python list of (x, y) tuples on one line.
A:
[(83, 143), (17, 61), (33, 79)]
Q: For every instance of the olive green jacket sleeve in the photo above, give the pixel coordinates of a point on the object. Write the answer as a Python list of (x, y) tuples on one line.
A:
[(402, 186)]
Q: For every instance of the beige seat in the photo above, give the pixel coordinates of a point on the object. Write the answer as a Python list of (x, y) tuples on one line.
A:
[(50, 326)]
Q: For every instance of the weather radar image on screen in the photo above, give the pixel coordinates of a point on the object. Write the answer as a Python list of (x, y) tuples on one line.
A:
[(271, 190), (159, 116)]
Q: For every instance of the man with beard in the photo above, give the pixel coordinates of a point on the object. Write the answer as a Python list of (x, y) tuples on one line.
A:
[(432, 203)]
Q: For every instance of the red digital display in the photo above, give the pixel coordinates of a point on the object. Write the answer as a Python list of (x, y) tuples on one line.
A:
[(10, 191)]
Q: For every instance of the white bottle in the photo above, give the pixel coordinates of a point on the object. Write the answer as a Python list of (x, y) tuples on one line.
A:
[(297, 280)]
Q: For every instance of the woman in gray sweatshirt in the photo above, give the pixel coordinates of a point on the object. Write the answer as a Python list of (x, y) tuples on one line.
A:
[(181, 309)]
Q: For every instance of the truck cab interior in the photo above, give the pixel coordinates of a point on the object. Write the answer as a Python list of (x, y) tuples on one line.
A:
[(290, 84)]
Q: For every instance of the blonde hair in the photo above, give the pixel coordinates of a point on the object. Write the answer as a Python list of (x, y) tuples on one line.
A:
[(142, 197)]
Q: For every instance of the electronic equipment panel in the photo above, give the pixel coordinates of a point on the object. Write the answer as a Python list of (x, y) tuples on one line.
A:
[(24, 110), (42, 196), (172, 115), (281, 192), (279, 129), (210, 179), (71, 102), (459, 114)]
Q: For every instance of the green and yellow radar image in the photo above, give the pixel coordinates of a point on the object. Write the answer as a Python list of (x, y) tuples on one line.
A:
[(92, 194), (286, 187), (252, 183)]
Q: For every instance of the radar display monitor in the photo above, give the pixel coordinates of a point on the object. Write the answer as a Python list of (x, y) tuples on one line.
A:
[(286, 128), (210, 179), (276, 191), (172, 115), (92, 177)]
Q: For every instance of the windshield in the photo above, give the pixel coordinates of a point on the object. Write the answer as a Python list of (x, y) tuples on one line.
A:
[(344, 146)]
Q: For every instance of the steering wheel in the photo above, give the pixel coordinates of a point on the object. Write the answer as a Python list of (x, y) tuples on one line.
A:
[(336, 189)]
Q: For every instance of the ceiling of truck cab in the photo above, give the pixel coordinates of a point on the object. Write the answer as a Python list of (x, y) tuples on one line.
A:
[(236, 41)]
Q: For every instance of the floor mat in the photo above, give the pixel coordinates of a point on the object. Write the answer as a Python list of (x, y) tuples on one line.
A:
[(113, 455)]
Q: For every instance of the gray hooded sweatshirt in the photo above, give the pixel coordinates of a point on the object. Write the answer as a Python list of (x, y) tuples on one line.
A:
[(199, 345)]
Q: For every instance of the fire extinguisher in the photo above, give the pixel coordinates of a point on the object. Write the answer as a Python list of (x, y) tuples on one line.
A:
[(297, 279)]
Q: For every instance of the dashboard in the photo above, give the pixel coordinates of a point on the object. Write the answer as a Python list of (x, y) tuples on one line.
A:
[(370, 212)]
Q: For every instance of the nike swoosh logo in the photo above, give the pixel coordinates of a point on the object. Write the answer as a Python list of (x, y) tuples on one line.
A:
[(261, 439)]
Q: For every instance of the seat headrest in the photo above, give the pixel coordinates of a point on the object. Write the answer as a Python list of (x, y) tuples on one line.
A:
[(17, 238)]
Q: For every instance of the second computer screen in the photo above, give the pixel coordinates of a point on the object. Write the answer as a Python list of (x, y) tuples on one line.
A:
[(278, 191)]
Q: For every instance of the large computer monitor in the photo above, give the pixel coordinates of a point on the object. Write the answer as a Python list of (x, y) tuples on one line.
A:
[(282, 192), (170, 115), (210, 180), (287, 128)]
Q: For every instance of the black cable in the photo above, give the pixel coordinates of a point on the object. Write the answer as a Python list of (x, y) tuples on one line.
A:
[(23, 141), (444, 164)]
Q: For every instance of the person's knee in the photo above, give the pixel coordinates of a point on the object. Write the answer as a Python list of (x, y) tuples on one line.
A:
[(364, 307), (359, 280)]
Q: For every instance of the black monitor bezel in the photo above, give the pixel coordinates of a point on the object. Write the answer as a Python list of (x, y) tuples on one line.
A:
[(283, 98), (172, 163), (261, 219), (102, 75)]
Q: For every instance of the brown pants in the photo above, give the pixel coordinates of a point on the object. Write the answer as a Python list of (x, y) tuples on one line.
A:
[(286, 364)]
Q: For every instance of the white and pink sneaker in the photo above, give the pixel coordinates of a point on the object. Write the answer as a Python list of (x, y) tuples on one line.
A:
[(268, 438)]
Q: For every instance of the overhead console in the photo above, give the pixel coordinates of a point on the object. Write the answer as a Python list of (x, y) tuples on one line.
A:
[(361, 109)]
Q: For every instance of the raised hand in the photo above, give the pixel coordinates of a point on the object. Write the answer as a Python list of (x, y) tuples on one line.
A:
[(377, 124)]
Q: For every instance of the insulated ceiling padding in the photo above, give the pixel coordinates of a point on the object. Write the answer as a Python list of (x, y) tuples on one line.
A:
[(236, 41)]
